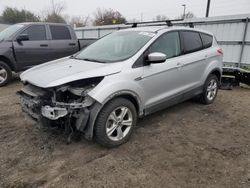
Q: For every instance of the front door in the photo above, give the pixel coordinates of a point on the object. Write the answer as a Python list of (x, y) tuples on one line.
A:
[(164, 81), (34, 51)]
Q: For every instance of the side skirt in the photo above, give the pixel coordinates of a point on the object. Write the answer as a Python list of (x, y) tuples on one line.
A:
[(173, 100)]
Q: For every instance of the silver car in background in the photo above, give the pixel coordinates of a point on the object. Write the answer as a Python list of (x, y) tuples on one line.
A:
[(103, 89)]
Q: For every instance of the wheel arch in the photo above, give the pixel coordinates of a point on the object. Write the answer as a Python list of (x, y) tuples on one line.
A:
[(217, 73), (97, 107), (129, 95), (8, 62)]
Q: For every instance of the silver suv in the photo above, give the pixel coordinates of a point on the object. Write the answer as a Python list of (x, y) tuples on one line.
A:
[(103, 89)]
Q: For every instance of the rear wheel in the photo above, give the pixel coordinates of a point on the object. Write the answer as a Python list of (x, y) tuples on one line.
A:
[(115, 122), (210, 89), (5, 74)]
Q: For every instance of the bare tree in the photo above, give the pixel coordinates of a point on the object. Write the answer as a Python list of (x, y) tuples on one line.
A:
[(79, 21), (108, 17), (54, 12), (58, 7)]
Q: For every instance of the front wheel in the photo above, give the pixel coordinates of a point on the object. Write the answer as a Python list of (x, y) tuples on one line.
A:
[(210, 89), (115, 123), (5, 74)]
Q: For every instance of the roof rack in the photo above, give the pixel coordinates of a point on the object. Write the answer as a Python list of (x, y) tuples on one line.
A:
[(167, 22)]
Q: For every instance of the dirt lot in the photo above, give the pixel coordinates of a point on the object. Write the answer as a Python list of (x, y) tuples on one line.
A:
[(189, 145)]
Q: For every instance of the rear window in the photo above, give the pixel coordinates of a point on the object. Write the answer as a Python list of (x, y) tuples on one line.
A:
[(192, 41), (207, 40), (60, 32)]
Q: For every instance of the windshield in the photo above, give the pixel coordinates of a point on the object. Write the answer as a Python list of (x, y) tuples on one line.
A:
[(115, 47), (5, 34)]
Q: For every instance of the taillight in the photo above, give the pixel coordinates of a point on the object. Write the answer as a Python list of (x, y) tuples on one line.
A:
[(220, 51)]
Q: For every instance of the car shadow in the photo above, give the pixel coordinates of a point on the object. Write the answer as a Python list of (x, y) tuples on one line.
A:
[(178, 108)]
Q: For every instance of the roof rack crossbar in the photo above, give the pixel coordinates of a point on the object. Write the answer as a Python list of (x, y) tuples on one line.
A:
[(168, 22), (191, 24)]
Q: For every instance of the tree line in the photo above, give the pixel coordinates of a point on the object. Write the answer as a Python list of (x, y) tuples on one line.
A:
[(55, 14)]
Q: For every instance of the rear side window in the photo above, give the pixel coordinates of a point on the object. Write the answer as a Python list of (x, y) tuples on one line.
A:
[(36, 32), (192, 41), (59, 32), (207, 40)]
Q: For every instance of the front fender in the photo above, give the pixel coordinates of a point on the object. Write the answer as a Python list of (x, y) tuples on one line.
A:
[(7, 55), (114, 85), (110, 87)]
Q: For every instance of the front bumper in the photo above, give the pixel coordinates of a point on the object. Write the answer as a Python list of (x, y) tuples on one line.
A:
[(74, 114), (30, 106)]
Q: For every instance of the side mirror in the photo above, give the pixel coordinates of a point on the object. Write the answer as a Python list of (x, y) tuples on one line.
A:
[(22, 37), (157, 57)]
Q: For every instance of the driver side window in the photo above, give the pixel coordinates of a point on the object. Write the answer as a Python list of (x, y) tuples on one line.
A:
[(36, 32), (168, 44)]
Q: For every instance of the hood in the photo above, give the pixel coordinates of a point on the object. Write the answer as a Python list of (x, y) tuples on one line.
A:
[(5, 44), (66, 70)]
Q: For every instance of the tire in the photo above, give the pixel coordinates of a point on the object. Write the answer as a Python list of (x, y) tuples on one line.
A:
[(210, 89), (5, 74), (111, 130)]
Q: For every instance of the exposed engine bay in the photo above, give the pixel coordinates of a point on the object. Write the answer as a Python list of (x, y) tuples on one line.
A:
[(66, 106)]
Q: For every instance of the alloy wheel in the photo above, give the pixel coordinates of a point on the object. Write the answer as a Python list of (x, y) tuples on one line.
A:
[(119, 123), (3, 75), (212, 89)]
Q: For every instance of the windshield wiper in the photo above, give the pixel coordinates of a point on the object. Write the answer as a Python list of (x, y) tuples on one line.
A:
[(87, 59), (93, 60)]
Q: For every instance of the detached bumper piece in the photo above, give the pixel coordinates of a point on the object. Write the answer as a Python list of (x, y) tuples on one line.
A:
[(39, 104), (53, 113), (233, 76)]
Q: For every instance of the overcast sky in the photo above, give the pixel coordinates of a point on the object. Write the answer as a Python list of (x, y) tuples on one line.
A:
[(134, 8)]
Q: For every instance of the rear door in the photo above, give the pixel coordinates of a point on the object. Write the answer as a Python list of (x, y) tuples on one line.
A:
[(34, 51), (63, 42), (207, 41), (193, 60)]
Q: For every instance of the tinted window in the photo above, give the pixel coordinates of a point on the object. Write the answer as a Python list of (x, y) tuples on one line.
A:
[(207, 40), (59, 32), (168, 44), (192, 41), (36, 32)]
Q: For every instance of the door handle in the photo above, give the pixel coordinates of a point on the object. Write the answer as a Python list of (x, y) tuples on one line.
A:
[(72, 44), (44, 45)]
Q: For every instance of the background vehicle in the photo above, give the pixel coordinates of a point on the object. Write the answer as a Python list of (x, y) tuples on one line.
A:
[(27, 44), (128, 74)]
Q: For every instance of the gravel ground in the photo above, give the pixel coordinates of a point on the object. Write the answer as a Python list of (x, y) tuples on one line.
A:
[(188, 145)]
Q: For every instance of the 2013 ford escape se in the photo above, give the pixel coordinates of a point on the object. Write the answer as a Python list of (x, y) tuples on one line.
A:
[(103, 89)]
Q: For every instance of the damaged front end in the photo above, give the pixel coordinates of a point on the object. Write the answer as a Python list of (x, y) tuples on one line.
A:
[(67, 106)]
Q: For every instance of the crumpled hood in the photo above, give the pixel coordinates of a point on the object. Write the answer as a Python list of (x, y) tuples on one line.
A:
[(66, 70)]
